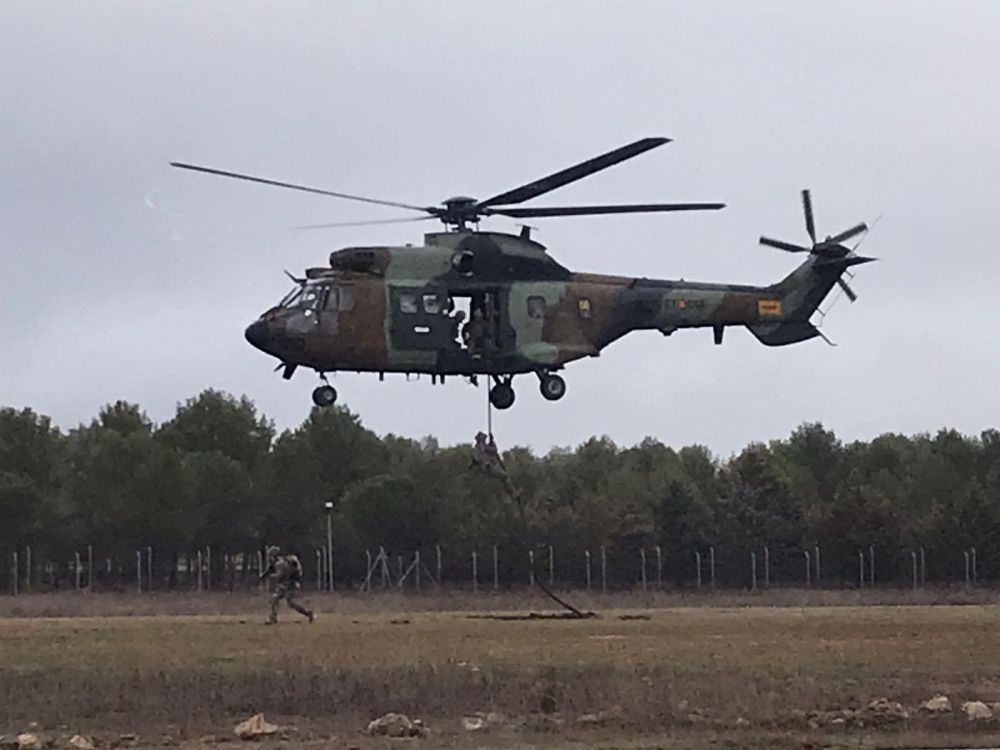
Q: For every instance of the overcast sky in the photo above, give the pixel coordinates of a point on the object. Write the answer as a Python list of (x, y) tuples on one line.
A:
[(123, 278)]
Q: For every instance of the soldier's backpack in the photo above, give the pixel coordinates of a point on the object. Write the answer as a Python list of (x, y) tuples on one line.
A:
[(294, 568)]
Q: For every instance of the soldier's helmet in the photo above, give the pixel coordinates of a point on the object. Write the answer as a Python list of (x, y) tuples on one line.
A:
[(273, 550)]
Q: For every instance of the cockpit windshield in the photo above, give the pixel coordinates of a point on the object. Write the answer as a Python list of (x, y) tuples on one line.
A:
[(307, 297)]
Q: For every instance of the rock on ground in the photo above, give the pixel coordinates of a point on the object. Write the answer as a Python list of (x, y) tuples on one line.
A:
[(396, 725), (254, 727), (887, 710), (28, 741), (81, 743), (976, 711), (939, 704)]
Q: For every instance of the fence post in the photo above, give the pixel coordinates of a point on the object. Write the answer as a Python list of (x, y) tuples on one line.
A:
[(27, 569), (975, 568), (604, 569), (659, 567), (767, 567), (753, 571), (90, 568), (913, 558), (711, 567), (496, 568), (319, 570), (586, 556), (201, 571), (871, 565), (697, 562), (816, 557), (861, 569), (416, 564), (475, 572), (16, 571), (138, 571), (642, 554), (208, 567), (923, 568), (149, 567), (808, 568), (552, 567), (965, 553), (78, 570), (437, 551), (531, 567)]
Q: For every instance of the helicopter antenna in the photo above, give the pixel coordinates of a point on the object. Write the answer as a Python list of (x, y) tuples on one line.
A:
[(296, 279)]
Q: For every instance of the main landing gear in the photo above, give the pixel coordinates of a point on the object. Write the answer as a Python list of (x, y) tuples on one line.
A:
[(325, 395), (551, 386)]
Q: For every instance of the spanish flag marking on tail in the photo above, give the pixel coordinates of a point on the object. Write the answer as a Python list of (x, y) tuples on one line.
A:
[(768, 307)]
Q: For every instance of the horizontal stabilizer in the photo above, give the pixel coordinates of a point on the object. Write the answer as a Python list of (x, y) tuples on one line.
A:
[(781, 334)]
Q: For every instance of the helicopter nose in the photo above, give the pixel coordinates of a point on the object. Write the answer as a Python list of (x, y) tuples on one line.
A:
[(257, 334)]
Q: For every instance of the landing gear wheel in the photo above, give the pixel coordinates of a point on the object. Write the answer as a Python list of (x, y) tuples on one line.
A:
[(325, 395), (502, 396), (552, 387)]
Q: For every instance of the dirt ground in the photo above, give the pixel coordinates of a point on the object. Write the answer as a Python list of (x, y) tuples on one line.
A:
[(649, 676)]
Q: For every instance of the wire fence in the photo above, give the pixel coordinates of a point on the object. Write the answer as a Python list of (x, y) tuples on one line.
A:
[(495, 567)]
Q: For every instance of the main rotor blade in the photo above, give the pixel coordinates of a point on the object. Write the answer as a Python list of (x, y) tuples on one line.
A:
[(807, 206), (637, 208), (846, 235), (786, 246), (304, 188), (365, 223), (847, 290), (572, 174)]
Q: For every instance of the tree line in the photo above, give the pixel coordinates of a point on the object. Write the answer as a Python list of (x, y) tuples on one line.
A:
[(217, 475)]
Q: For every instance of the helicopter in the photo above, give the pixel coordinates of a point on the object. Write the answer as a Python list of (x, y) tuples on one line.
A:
[(487, 304)]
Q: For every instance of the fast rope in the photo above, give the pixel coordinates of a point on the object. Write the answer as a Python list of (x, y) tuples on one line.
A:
[(515, 497)]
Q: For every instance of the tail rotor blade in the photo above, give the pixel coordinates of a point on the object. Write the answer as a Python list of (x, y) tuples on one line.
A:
[(788, 247), (807, 207), (847, 290)]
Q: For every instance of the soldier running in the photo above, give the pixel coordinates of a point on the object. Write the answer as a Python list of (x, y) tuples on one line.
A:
[(286, 572)]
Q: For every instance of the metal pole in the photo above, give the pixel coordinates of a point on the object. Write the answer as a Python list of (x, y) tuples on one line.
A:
[(16, 570), (201, 570), (399, 566), (816, 558), (965, 554), (604, 569), (496, 568), (78, 569), (697, 562), (319, 570), (913, 558), (975, 568), (27, 569), (711, 567), (475, 572), (416, 564), (923, 568), (767, 566), (138, 570), (90, 567), (208, 568), (861, 569), (659, 567), (808, 568), (586, 556), (552, 567), (642, 554), (531, 567), (260, 571), (753, 571), (329, 546)]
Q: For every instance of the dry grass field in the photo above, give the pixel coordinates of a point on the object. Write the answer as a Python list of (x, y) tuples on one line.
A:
[(696, 676)]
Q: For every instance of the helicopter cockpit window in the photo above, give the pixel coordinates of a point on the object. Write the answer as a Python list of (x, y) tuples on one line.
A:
[(536, 307), (408, 304), (432, 304), (311, 298)]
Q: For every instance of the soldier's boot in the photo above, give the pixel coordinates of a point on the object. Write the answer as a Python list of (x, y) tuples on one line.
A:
[(293, 603), (273, 619)]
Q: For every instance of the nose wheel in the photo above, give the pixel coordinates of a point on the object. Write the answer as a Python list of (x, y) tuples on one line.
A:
[(552, 386)]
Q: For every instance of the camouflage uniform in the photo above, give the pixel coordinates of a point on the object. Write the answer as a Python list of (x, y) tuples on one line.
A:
[(285, 571)]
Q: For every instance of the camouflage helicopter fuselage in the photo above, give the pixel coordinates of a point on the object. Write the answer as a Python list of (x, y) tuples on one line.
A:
[(392, 309)]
